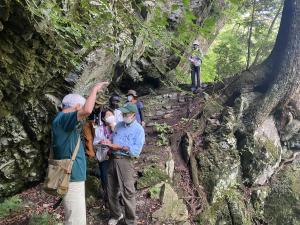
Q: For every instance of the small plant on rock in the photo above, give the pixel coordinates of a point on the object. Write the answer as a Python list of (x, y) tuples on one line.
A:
[(162, 129)]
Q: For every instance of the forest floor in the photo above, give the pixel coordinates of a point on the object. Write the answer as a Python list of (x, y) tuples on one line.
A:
[(168, 111)]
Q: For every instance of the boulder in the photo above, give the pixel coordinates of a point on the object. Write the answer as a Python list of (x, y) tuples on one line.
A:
[(170, 165), (173, 209), (186, 146), (267, 151)]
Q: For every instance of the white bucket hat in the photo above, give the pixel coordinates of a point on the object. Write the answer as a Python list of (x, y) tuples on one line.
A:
[(71, 100)]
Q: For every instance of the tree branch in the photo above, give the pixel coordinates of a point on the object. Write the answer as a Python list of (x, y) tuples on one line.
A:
[(250, 35), (260, 50)]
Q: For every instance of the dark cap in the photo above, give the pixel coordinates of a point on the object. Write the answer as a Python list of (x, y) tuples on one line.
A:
[(132, 92), (129, 107), (114, 98)]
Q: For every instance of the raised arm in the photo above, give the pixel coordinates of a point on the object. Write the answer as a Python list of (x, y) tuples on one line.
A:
[(90, 101)]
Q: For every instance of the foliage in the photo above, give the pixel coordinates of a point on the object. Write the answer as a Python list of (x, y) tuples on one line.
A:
[(71, 25), (162, 129), (154, 192), (43, 219), (228, 53), (10, 205)]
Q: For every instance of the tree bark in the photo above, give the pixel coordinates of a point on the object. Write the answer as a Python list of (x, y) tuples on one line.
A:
[(285, 60)]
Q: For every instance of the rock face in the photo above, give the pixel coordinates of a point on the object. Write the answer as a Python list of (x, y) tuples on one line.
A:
[(282, 204), (30, 72), (219, 165), (244, 175), (39, 66)]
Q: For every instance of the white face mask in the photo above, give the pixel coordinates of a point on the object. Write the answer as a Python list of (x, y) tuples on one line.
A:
[(110, 119), (128, 119), (129, 98)]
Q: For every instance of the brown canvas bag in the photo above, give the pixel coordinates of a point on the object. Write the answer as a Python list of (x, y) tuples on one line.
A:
[(59, 173)]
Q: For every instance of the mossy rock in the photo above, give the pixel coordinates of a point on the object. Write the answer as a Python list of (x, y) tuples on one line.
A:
[(229, 209), (150, 176), (260, 153), (219, 165), (282, 206), (154, 192)]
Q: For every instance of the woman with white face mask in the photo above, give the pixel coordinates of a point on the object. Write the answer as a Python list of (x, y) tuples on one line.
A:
[(132, 97), (103, 132)]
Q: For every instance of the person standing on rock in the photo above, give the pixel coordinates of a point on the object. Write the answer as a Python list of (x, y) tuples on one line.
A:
[(132, 97), (127, 143), (65, 135), (196, 61)]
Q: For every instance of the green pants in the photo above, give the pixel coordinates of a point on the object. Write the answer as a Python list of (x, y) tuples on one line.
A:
[(121, 180)]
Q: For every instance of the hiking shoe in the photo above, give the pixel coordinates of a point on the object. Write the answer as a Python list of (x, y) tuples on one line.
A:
[(113, 221)]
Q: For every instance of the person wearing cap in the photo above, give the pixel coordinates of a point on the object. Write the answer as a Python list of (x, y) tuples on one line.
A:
[(126, 145), (132, 97), (65, 135), (114, 101), (196, 60)]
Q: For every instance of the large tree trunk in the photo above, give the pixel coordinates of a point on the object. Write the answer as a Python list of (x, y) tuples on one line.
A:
[(285, 60)]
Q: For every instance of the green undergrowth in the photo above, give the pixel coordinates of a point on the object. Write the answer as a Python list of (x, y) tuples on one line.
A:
[(44, 219), (9, 206), (163, 130), (150, 176)]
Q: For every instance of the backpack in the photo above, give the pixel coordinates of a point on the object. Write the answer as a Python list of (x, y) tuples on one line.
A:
[(59, 173)]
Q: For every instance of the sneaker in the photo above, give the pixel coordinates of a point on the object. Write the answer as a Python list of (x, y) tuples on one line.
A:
[(113, 221)]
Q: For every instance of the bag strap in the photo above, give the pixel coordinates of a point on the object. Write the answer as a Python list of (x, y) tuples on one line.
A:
[(76, 149), (69, 170), (51, 154)]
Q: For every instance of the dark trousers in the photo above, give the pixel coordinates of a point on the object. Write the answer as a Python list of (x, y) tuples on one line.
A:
[(121, 180), (103, 167), (195, 76)]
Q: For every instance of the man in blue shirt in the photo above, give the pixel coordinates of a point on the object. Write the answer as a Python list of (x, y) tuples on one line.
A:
[(65, 136), (127, 143)]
